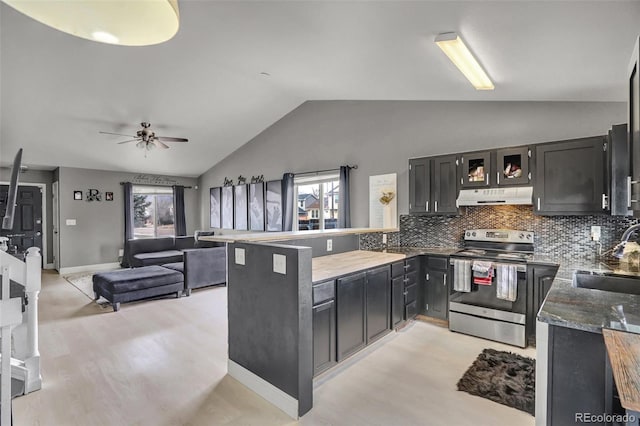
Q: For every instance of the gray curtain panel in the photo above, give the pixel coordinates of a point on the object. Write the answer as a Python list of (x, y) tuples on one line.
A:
[(287, 202), (344, 203), (178, 208), (128, 221)]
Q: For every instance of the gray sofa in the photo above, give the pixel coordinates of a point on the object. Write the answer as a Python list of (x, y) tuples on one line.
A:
[(158, 251), (202, 267)]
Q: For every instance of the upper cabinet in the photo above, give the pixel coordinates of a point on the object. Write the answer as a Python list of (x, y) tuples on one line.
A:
[(512, 166), (570, 176), (433, 185), (633, 131), (476, 169)]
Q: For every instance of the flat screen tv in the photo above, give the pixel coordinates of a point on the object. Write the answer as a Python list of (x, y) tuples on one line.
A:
[(7, 220)]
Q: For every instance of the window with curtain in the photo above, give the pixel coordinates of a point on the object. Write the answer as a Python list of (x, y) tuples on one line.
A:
[(153, 212), (316, 200)]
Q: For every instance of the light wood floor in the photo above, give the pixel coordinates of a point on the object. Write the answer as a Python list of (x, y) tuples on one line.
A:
[(163, 362)]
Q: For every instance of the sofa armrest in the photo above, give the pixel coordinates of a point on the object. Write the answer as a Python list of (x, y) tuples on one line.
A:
[(205, 266)]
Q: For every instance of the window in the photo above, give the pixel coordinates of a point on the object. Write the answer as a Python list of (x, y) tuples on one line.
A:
[(153, 214), (317, 200)]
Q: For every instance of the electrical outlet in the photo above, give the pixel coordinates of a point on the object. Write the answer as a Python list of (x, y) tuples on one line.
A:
[(239, 255), (595, 233), (280, 264), (71, 222), (384, 238), (329, 244)]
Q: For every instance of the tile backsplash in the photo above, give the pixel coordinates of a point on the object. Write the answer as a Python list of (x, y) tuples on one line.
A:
[(555, 236)]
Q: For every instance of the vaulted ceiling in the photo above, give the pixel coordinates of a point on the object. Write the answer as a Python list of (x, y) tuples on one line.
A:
[(206, 84)]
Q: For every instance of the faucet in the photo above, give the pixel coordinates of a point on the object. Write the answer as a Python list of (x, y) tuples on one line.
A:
[(618, 251)]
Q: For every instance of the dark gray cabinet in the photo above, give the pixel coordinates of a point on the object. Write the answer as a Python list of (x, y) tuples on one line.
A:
[(476, 169), (618, 174), (539, 280), (436, 287), (512, 166), (378, 303), (351, 310), (419, 185), (324, 326), (570, 176), (433, 185), (633, 130), (397, 301)]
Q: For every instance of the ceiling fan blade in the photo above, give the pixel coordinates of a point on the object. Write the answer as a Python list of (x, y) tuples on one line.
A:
[(117, 134), (131, 140), (168, 139), (160, 144)]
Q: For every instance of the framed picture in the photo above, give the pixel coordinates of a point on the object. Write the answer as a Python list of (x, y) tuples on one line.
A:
[(256, 206), (240, 202), (77, 195), (108, 196), (227, 207), (274, 205), (214, 195)]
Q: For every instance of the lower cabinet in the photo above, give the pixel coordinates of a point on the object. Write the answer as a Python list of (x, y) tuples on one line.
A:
[(324, 336), (436, 287), (351, 295), (378, 303), (397, 301), (540, 278)]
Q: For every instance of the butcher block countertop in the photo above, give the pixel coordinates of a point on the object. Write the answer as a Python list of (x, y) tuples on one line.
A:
[(337, 265), (293, 235), (624, 352)]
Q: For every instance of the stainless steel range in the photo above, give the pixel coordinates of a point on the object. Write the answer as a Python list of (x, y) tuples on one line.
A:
[(489, 298)]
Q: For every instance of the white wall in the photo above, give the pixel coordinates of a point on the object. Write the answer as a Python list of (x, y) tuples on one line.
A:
[(380, 136), (99, 230)]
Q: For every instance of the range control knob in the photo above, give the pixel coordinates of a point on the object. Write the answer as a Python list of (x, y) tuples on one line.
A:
[(521, 236), (474, 234), (528, 236), (468, 234)]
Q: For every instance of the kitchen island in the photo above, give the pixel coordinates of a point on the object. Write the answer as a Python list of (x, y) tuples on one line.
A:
[(573, 375)]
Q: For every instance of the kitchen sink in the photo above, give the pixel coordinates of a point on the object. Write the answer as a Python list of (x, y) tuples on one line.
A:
[(607, 282)]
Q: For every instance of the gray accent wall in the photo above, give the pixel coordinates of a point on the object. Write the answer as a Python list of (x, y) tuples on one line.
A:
[(98, 233), (38, 176), (380, 136)]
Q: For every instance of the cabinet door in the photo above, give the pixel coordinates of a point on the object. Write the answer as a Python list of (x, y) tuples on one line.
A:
[(570, 177), (351, 314), (324, 336), (512, 166), (419, 185), (634, 124), (445, 184), (476, 169), (378, 303), (397, 301), (539, 280), (436, 294)]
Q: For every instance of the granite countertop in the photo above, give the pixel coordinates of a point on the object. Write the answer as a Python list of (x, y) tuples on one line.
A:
[(417, 251), (588, 309)]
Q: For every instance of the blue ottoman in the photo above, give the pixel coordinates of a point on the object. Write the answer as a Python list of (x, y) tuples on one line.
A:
[(127, 285)]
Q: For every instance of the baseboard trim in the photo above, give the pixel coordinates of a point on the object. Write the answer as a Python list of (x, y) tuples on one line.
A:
[(266, 390), (89, 268)]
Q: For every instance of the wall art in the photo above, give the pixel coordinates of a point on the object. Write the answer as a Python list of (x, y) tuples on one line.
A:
[(214, 195), (240, 202), (274, 205), (256, 206), (227, 207)]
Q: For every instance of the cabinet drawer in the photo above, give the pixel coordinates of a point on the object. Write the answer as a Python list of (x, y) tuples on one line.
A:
[(324, 291), (411, 264), (411, 310), (410, 294), (441, 263), (397, 269), (410, 279)]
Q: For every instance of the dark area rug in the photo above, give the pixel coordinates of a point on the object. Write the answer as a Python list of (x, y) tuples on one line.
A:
[(503, 377)]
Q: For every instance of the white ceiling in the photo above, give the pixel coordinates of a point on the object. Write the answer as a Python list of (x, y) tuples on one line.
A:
[(58, 91)]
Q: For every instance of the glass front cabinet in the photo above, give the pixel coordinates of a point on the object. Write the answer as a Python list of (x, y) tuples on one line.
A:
[(512, 166), (476, 169)]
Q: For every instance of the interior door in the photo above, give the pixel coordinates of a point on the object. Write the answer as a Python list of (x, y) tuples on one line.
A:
[(56, 227), (27, 223)]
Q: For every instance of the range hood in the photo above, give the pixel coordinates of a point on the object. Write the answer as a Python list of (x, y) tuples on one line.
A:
[(495, 196)]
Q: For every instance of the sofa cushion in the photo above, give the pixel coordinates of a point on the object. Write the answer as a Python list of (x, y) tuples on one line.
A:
[(176, 266), (157, 257), (146, 245), (125, 280), (182, 243)]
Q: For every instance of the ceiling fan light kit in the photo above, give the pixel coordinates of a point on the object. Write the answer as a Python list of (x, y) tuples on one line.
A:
[(455, 49), (146, 139), (121, 22)]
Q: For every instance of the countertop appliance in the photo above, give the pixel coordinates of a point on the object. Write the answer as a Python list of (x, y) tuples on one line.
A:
[(480, 312)]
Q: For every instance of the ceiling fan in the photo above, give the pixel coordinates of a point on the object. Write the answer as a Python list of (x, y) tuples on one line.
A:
[(146, 138)]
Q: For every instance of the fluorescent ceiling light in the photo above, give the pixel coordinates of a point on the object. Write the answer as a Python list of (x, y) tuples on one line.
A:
[(453, 46), (123, 22)]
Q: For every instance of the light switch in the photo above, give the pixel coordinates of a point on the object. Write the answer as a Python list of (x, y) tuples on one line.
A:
[(71, 222), (239, 256), (384, 238), (280, 264), (329, 244)]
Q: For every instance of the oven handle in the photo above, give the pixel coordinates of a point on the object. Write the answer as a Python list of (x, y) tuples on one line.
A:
[(521, 268)]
